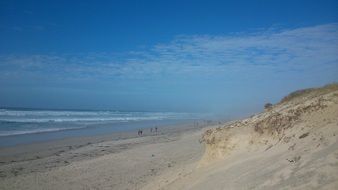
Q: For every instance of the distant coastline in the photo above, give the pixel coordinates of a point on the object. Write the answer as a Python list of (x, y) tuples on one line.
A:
[(20, 126)]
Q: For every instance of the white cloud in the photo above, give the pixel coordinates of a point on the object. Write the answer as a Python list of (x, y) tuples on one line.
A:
[(272, 50)]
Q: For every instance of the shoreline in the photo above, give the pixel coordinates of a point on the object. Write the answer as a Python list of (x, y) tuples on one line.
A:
[(89, 131), (37, 158)]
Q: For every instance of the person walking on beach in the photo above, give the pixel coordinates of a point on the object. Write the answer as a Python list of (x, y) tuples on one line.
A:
[(140, 132), (151, 130), (156, 130)]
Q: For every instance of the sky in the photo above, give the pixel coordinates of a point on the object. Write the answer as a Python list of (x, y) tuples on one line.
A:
[(227, 57)]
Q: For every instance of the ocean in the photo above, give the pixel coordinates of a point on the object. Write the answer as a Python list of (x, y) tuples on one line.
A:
[(20, 126)]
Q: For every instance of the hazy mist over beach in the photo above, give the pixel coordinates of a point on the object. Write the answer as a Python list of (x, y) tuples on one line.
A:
[(170, 95)]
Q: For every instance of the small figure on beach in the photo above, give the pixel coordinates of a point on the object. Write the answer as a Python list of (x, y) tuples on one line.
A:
[(139, 132), (151, 130), (156, 130)]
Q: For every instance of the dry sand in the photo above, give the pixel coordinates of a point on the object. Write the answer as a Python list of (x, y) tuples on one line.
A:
[(127, 162), (292, 145)]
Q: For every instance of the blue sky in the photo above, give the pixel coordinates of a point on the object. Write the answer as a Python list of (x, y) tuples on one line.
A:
[(228, 57)]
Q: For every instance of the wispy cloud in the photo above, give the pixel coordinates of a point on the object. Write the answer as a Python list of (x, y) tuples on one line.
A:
[(273, 50), (199, 72)]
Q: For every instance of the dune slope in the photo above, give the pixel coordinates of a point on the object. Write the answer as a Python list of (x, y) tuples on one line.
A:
[(291, 145)]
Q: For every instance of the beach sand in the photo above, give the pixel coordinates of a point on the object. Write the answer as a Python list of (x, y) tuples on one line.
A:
[(292, 145), (126, 162)]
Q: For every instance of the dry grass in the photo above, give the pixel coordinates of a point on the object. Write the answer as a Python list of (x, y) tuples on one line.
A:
[(310, 91)]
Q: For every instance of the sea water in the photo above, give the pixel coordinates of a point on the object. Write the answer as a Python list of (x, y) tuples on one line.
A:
[(19, 126)]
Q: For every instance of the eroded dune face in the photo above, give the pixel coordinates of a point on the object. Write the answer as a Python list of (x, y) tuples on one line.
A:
[(292, 145), (294, 118)]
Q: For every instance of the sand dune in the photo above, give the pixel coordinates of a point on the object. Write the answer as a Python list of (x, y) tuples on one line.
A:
[(292, 145)]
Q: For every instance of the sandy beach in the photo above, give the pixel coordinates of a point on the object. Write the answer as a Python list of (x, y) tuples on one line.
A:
[(169, 95), (116, 161), (290, 145)]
